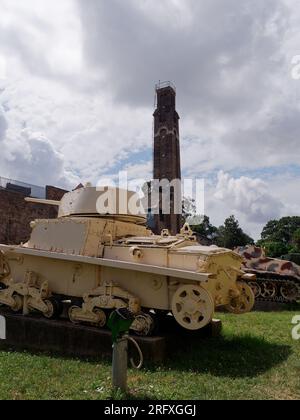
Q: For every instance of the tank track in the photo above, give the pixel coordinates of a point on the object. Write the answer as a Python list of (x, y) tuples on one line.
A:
[(276, 284)]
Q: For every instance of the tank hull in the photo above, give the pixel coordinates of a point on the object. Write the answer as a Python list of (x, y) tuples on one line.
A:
[(71, 276), (276, 280)]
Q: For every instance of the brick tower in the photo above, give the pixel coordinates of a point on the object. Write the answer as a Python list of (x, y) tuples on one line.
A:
[(167, 155)]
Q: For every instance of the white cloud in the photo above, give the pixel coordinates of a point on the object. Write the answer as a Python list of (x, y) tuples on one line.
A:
[(235, 91), (141, 170), (41, 38), (249, 197), (81, 74), (89, 134), (33, 154)]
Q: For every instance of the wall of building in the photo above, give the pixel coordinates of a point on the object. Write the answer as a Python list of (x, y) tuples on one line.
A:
[(16, 214)]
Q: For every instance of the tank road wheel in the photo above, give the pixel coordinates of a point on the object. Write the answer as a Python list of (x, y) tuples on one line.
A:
[(244, 303), (192, 307), (101, 318), (18, 303), (143, 325), (289, 292), (268, 290), (255, 288), (72, 314), (97, 318), (54, 308)]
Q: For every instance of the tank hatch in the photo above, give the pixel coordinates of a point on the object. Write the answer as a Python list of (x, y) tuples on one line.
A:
[(151, 240)]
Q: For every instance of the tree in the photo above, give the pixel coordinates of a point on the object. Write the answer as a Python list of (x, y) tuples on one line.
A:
[(206, 230), (274, 249), (296, 241), (281, 230), (231, 235), (281, 237)]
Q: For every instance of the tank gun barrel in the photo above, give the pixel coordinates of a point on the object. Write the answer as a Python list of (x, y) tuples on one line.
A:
[(42, 201)]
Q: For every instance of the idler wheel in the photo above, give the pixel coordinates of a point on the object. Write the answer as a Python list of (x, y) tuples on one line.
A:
[(54, 308), (244, 303), (289, 292), (192, 307), (143, 325)]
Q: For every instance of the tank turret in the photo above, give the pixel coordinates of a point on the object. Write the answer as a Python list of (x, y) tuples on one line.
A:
[(98, 255)]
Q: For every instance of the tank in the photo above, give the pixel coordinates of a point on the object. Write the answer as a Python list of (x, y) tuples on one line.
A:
[(295, 258), (93, 262), (277, 280)]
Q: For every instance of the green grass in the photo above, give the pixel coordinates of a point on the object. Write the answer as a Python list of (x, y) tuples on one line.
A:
[(255, 358)]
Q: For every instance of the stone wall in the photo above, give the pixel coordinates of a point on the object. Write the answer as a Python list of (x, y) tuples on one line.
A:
[(16, 214), (53, 193)]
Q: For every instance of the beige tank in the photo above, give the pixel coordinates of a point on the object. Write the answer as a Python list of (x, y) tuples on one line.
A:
[(97, 262)]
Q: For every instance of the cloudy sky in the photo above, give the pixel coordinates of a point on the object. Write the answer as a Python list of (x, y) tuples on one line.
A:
[(77, 84)]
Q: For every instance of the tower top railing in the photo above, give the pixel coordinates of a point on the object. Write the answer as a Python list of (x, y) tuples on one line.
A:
[(22, 187), (163, 85)]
